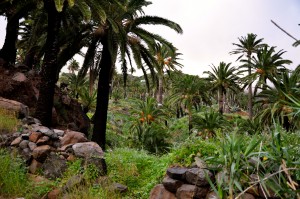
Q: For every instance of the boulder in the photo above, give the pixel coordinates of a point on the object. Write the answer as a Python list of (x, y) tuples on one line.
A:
[(24, 144), (54, 166), (87, 150), (171, 184), (34, 166), (197, 176), (44, 140), (177, 173), (54, 194), (72, 137), (11, 105), (19, 77), (40, 153), (16, 141), (159, 192), (188, 191), (35, 136)]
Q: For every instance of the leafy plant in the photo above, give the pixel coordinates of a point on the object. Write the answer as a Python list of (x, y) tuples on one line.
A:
[(208, 123), (234, 154)]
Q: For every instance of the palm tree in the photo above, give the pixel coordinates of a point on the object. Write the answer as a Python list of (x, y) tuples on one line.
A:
[(247, 46), (166, 58), (188, 91), (223, 77), (51, 68), (208, 123), (14, 11), (275, 100), (73, 66), (123, 31), (268, 64)]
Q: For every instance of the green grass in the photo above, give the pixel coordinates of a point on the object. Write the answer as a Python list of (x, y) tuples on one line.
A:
[(136, 169), (13, 179), (8, 121)]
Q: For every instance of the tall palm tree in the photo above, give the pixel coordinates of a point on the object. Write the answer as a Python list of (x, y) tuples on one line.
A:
[(166, 58), (50, 69), (246, 47), (223, 77), (14, 11), (120, 32), (268, 64)]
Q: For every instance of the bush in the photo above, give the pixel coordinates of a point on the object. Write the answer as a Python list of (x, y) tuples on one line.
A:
[(185, 152)]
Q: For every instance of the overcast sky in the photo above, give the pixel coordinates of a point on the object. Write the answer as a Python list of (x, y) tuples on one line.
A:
[(211, 26)]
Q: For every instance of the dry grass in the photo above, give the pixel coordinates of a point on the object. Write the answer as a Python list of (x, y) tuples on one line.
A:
[(8, 121)]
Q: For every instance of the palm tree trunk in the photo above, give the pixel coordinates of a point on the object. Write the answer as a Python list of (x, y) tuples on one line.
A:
[(9, 49), (160, 90), (220, 100), (50, 70), (190, 122), (100, 117), (250, 102)]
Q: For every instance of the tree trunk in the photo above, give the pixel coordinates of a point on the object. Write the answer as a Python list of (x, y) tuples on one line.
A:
[(160, 90), (9, 49), (190, 122), (100, 119), (250, 102), (50, 70), (221, 102)]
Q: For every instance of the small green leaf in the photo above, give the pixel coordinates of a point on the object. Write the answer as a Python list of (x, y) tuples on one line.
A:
[(59, 4), (71, 3)]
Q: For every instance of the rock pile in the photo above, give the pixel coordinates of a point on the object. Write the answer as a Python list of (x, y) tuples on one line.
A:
[(48, 150), (188, 183)]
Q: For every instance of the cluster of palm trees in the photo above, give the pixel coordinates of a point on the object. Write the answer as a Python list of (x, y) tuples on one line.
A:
[(52, 32)]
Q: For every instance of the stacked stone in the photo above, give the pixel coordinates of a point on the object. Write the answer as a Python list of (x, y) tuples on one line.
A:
[(189, 183), (48, 150)]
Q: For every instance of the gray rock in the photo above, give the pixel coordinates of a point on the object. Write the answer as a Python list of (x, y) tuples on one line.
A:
[(87, 150), (197, 176), (59, 132), (32, 145), (24, 144), (99, 163), (72, 137), (177, 173), (42, 129), (54, 166), (74, 181), (40, 153), (16, 141), (171, 184)]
